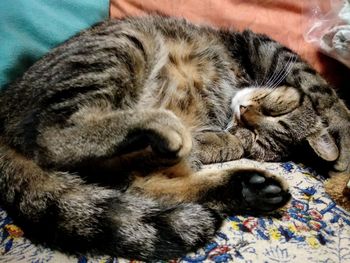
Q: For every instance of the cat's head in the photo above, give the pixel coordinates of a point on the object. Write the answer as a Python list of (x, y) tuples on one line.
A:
[(280, 118)]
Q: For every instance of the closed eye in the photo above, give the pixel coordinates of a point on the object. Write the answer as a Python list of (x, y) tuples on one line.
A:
[(278, 110)]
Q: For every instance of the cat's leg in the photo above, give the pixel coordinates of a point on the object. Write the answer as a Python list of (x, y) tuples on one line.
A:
[(272, 64), (214, 147), (99, 134), (229, 190), (85, 217), (61, 210)]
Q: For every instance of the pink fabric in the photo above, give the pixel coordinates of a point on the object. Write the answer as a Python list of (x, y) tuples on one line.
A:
[(283, 20)]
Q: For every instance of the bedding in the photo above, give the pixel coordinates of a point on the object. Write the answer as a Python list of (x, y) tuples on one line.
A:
[(30, 28), (311, 228), (284, 20)]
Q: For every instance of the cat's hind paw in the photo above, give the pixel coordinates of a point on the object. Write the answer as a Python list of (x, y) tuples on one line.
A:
[(262, 191)]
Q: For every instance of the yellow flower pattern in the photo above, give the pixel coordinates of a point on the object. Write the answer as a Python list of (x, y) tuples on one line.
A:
[(313, 242), (13, 230), (311, 226), (274, 233)]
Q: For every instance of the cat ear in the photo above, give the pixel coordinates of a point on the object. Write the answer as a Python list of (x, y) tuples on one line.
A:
[(324, 146)]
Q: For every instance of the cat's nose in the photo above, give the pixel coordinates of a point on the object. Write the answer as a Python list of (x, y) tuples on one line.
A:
[(242, 109)]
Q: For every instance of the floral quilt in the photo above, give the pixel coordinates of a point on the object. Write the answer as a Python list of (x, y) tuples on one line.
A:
[(312, 228)]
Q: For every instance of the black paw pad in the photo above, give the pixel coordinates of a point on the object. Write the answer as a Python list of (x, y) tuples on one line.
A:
[(257, 179), (263, 193)]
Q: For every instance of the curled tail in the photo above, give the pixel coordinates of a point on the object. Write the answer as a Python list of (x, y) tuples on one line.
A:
[(63, 211)]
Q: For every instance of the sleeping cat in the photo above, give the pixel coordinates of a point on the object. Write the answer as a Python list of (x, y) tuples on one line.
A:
[(102, 139)]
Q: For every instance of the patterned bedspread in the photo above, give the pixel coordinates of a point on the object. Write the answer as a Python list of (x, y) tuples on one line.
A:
[(311, 229)]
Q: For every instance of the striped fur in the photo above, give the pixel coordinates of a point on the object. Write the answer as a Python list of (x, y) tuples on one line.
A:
[(102, 139)]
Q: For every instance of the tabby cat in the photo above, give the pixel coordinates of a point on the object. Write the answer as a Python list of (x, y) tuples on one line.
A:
[(103, 138)]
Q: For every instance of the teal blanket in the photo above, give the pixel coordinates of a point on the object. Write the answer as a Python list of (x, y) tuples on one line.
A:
[(29, 28)]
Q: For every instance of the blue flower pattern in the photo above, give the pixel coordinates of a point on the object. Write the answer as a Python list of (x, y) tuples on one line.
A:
[(311, 228)]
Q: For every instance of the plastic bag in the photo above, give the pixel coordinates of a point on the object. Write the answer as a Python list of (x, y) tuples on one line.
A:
[(329, 28)]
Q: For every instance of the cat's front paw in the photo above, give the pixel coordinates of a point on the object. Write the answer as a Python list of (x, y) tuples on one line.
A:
[(168, 136), (215, 147), (263, 192)]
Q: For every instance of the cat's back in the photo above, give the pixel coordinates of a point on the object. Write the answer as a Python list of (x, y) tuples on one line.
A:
[(129, 62), (93, 51)]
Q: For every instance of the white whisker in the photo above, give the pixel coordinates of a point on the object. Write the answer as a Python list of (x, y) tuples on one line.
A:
[(269, 80), (265, 72), (277, 77), (288, 69)]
